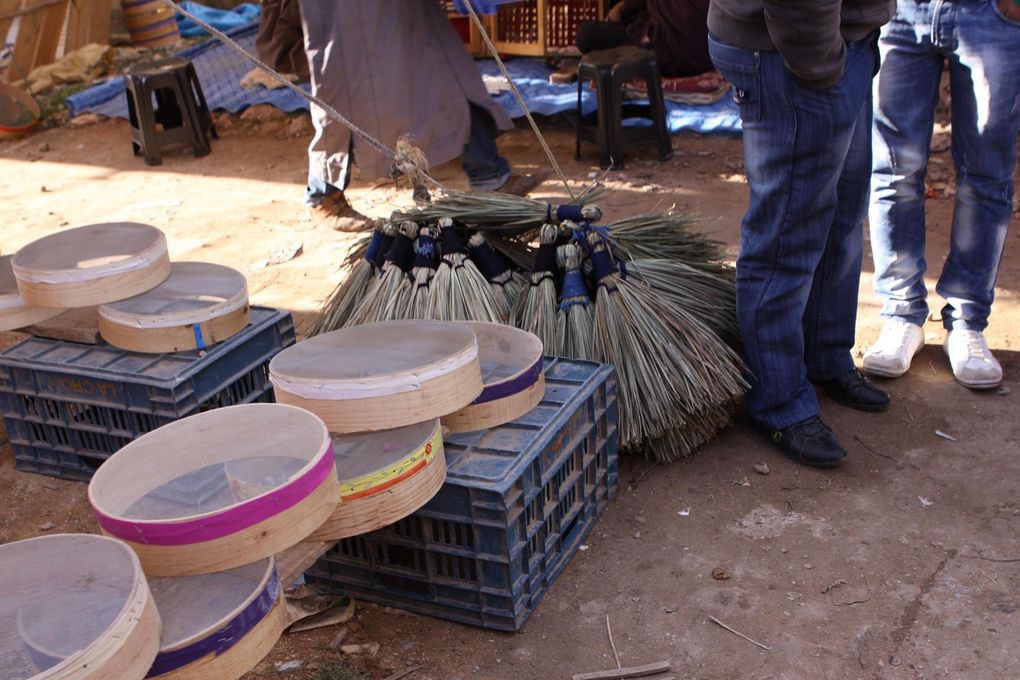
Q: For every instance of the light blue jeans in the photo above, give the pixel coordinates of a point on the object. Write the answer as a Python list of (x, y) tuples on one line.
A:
[(807, 154), (983, 51)]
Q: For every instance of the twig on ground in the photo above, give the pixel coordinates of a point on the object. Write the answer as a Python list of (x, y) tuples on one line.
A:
[(612, 644), (738, 633), (887, 456), (981, 556), (400, 674), (632, 672), (644, 473), (834, 584)]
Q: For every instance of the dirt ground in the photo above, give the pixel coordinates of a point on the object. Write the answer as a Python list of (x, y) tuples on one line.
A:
[(904, 563)]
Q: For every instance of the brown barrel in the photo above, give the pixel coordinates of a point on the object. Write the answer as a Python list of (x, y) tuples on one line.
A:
[(150, 23)]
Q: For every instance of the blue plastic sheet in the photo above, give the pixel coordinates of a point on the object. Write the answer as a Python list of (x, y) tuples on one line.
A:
[(223, 19), (220, 70)]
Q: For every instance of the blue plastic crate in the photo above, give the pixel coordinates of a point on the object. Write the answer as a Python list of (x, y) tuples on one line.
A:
[(68, 407), (518, 501)]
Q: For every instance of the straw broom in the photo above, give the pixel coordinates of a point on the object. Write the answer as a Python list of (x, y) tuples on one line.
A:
[(677, 381), (536, 307), (384, 288), (498, 212), (361, 271), (663, 235), (708, 291), (413, 296), (506, 283), (574, 320), (458, 291)]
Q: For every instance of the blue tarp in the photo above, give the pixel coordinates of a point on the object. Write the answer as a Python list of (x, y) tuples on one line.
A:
[(223, 19), (220, 70)]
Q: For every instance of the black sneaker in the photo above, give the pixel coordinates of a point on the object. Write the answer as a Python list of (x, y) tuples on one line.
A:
[(856, 391), (810, 442)]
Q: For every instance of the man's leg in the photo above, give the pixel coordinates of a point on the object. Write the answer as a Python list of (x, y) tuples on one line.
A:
[(485, 168), (906, 92), (984, 70), (796, 142), (831, 315), (985, 84)]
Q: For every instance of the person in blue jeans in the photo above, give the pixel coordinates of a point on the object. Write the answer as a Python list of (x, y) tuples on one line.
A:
[(801, 73), (980, 40)]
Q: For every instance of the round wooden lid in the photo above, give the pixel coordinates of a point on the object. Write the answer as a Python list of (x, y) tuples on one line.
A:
[(66, 601), (513, 377), (370, 460), (90, 252), (195, 293), (373, 360), (505, 354), (384, 476), (194, 607), (217, 625), (14, 311), (206, 464)]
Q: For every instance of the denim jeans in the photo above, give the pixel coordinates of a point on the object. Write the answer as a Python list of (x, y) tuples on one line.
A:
[(807, 155), (983, 52), (485, 168)]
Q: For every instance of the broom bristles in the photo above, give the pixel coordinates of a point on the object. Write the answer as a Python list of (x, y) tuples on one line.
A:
[(458, 291), (574, 320), (675, 376), (496, 211), (377, 298), (536, 308), (346, 297)]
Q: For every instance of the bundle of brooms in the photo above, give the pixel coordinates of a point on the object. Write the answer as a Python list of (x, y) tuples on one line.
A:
[(648, 294)]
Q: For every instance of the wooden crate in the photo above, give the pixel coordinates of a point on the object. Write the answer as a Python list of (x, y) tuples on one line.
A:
[(46, 26), (540, 28)]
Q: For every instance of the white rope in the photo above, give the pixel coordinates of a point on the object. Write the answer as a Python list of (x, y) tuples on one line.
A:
[(338, 117), (519, 98), (330, 111)]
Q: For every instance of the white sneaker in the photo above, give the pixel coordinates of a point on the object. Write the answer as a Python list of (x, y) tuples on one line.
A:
[(972, 361), (897, 344)]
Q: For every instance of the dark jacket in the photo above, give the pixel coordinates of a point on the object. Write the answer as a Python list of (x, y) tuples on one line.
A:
[(810, 34), (676, 30)]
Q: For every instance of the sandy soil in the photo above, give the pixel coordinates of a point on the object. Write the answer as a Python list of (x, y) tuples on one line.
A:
[(904, 563)]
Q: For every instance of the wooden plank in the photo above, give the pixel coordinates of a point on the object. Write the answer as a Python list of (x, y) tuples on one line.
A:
[(50, 33), (99, 26), (7, 10), (74, 325), (88, 22), (632, 672), (25, 45), (295, 561)]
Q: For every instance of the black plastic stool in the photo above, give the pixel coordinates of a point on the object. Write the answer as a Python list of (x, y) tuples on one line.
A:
[(180, 115), (611, 70)]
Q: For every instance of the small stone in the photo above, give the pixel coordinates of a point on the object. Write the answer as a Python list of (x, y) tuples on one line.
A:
[(263, 113), (287, 666), (86, 119), (762, 468), (894, 661), (640, 519), (720, 574), (300, 126), (44, 147), (1002, 391), (670, 609), (637, 534), (47, 526)]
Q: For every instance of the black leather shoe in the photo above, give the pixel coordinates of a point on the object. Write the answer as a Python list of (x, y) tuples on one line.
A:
[(810, 442), (856, 391)]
